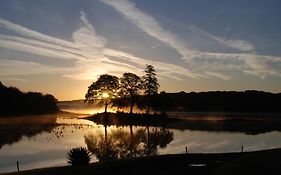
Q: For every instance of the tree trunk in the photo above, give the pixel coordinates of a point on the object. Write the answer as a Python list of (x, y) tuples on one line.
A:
[(131, 108), (148, 136), (147, 104), (132, 104), (148, 109), (105, 133), (131, 136), (105, 108)]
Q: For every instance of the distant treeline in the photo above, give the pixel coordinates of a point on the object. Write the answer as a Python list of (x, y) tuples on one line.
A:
[(250, 101), (15, 102)]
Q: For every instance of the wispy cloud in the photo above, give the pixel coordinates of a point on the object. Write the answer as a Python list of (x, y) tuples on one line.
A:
[(257, 65), (87, 49), (241, 45), (164, 69), (200, 62), (217, 75), (155, 46), (91, 56), (33, 34), (149, 25), (12, 68)]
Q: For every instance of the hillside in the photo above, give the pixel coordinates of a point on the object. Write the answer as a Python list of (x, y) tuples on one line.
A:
[(15, 102)]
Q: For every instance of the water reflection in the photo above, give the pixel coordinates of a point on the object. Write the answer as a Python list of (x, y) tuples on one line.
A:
[(44, 141), (122, 144), (13, 129), (249, 127)]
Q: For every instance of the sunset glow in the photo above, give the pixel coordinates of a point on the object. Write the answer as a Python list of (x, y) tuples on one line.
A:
[(95, 85), (90, 38), (105, 95)]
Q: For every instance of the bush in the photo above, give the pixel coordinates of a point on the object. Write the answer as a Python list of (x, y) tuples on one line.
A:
[(78, 156)]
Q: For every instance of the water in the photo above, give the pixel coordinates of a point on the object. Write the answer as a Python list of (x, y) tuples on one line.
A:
[(43, 141)]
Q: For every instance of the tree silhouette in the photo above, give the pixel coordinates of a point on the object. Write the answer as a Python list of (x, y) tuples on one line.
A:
[(103, 90), (15, 102), (150, 85), (130, 87)]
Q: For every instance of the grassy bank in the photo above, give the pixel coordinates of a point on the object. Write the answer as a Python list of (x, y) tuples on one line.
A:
[(258, 162)]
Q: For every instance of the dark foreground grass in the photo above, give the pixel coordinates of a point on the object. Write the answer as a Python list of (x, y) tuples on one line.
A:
[(258, 162)]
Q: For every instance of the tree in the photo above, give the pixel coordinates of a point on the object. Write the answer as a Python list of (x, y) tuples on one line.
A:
[(150, 85), (130, 87), (103, 90)]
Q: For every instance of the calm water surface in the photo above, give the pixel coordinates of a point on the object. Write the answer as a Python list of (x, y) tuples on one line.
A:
[(44, 141)]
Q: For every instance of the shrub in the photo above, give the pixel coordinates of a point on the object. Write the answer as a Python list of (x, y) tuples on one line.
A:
[(78, 156)]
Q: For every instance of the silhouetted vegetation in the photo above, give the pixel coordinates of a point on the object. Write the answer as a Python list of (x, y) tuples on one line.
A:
[(130, 88), (129, 91), (15, 102), (249, 101), (126, 119), (103, 90), (78, 156), (150, 85)]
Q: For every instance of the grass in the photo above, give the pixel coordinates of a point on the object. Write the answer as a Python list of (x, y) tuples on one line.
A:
[(258, 162)]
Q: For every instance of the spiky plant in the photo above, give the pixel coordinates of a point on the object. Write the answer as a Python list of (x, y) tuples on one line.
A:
[(78, 156)]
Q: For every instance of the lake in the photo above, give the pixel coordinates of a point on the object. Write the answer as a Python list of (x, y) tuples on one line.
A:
[(43, 141)]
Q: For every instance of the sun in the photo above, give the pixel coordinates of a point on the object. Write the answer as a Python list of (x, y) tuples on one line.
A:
[(105, 95)]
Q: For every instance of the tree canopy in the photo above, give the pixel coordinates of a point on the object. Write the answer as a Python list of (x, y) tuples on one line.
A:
[(130, 87), (150, 84), (103, 90), (107, 89), (15, 102), (150, 81)]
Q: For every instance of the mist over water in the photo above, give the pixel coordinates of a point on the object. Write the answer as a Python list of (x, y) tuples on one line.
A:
[(80, 107)]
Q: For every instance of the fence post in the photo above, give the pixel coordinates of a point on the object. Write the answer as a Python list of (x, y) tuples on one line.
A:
[(18, 167)]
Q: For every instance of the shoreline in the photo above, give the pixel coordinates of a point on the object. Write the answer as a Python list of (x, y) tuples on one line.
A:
[(255, 162)]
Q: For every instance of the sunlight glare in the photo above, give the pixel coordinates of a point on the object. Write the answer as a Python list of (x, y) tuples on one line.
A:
[(105, 95)]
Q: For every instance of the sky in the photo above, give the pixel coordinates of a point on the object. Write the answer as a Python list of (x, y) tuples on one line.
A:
[(61, 47)]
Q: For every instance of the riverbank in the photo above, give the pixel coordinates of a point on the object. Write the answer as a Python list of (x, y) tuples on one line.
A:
[(257, 162)]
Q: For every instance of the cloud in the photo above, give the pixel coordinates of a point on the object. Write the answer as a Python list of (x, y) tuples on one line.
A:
[(87, 49), (241, 45), (163, 69), (39, 47), (253, 64), (33, 34), (200, 61), (21, 68), (91, 56), (149, 25), (155, 46), (217, 75)]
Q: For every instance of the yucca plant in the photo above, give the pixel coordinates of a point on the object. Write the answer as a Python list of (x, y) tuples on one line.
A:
[(78, 156)]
